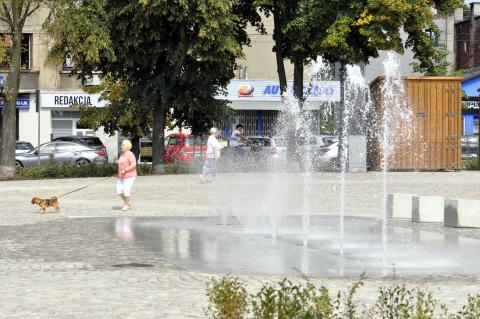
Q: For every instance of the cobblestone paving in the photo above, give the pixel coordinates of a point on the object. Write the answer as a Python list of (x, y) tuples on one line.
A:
[(45, 275)]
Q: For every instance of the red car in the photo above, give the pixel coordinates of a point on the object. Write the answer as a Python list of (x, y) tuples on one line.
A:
[(184, 148)]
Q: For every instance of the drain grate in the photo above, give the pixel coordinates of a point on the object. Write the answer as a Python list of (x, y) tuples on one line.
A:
[(132, 265)]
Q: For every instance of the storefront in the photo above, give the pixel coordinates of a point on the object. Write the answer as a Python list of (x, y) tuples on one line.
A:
[(23, 105), (258, 103), (59, 117)]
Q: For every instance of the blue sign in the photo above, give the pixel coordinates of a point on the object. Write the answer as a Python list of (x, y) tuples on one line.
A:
[(258, 90), (23, 103)]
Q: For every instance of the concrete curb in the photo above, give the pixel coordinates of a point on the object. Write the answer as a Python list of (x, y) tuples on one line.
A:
[(462, 213), (399, 205)]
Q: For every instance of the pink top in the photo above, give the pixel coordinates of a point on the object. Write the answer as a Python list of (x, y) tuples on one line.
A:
[(126, 159)]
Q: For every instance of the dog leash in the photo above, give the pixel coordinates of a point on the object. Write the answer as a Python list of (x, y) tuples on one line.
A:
[(79, 189)]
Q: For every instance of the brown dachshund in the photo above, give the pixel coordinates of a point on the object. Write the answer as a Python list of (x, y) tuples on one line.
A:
[(44, 203)]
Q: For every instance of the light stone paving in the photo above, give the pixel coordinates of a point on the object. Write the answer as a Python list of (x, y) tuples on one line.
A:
[(44, 275)]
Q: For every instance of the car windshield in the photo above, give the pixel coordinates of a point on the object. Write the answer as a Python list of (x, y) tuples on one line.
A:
[(24, 146), (91, 141), (308, 141), (280, 142), (260, 141), (195, 140), (327, 141)]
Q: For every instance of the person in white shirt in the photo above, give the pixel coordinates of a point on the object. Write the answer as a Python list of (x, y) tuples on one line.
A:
[(237, 139), (211, 162)]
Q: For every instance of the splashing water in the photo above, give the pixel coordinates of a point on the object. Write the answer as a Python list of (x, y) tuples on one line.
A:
[(395, 127)]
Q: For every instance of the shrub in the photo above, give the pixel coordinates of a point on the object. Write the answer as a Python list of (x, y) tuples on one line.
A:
[(55, 170), (227, 298), (470, 164), (285, 300)]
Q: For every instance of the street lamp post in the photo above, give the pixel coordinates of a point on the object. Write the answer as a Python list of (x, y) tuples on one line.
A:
[(339, 121), (37, 98)]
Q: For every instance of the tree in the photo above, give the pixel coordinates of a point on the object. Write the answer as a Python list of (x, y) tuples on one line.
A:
[(13, 15), (353, 31), (170, 55), (119, 114)]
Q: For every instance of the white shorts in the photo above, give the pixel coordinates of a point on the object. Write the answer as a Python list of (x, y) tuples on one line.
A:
[(124, 186)]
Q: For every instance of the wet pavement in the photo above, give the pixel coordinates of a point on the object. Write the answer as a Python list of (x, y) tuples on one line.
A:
[(94, 261), (206, 246)]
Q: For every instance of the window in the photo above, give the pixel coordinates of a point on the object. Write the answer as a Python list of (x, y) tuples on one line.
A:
[(25, 54), (195, 141), (174, 140), (64, 147), (47, 148), (68, 63), (23, 146), (91, 141)]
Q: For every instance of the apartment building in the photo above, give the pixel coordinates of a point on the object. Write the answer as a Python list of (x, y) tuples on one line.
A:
[(47, 92)]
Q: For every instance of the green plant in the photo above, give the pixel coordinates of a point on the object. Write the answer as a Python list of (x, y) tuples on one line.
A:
[(227, 298), (350, 306), (398, 302), (470, 164), (470, 311), (55, 170)]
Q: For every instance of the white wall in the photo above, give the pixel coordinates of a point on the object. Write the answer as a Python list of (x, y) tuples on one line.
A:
[(28, 124)]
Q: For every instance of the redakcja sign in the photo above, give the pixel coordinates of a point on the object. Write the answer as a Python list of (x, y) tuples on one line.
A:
[(69, 99)]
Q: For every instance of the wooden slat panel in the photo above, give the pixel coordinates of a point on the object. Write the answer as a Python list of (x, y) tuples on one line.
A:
[(435, 141)]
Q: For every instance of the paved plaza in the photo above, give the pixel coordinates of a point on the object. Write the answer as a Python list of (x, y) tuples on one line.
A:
[(66, 266)]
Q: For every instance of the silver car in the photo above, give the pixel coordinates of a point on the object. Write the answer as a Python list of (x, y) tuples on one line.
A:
[(62, 153)]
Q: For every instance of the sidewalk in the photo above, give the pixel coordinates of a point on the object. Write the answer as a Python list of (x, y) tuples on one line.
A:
[(52, 267)]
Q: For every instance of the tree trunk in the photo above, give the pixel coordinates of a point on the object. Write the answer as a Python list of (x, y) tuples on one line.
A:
[(136, 146), (158, 137), (298, 81), (9, 115), (277, 35)]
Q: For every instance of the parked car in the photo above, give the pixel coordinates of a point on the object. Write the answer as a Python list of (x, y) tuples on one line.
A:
[(260, 150), (91, 141), (328, 153), (267, 147), (63, 153), (184, 148), (23, 147), (317, 146), (469, 146)]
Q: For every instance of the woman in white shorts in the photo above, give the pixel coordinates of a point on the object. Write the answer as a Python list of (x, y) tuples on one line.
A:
[(127, 172)]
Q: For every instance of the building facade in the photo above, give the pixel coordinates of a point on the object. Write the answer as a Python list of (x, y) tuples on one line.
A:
[(48, 91)]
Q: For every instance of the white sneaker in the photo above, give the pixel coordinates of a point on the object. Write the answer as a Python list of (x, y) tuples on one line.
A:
[(202, 179), (124, 208)]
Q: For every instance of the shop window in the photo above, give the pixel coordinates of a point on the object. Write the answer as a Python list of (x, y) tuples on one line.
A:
[(61, 128), (25, 54)]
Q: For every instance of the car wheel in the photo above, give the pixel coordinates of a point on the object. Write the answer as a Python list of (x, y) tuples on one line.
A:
[(82, 161), (18, 164)]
